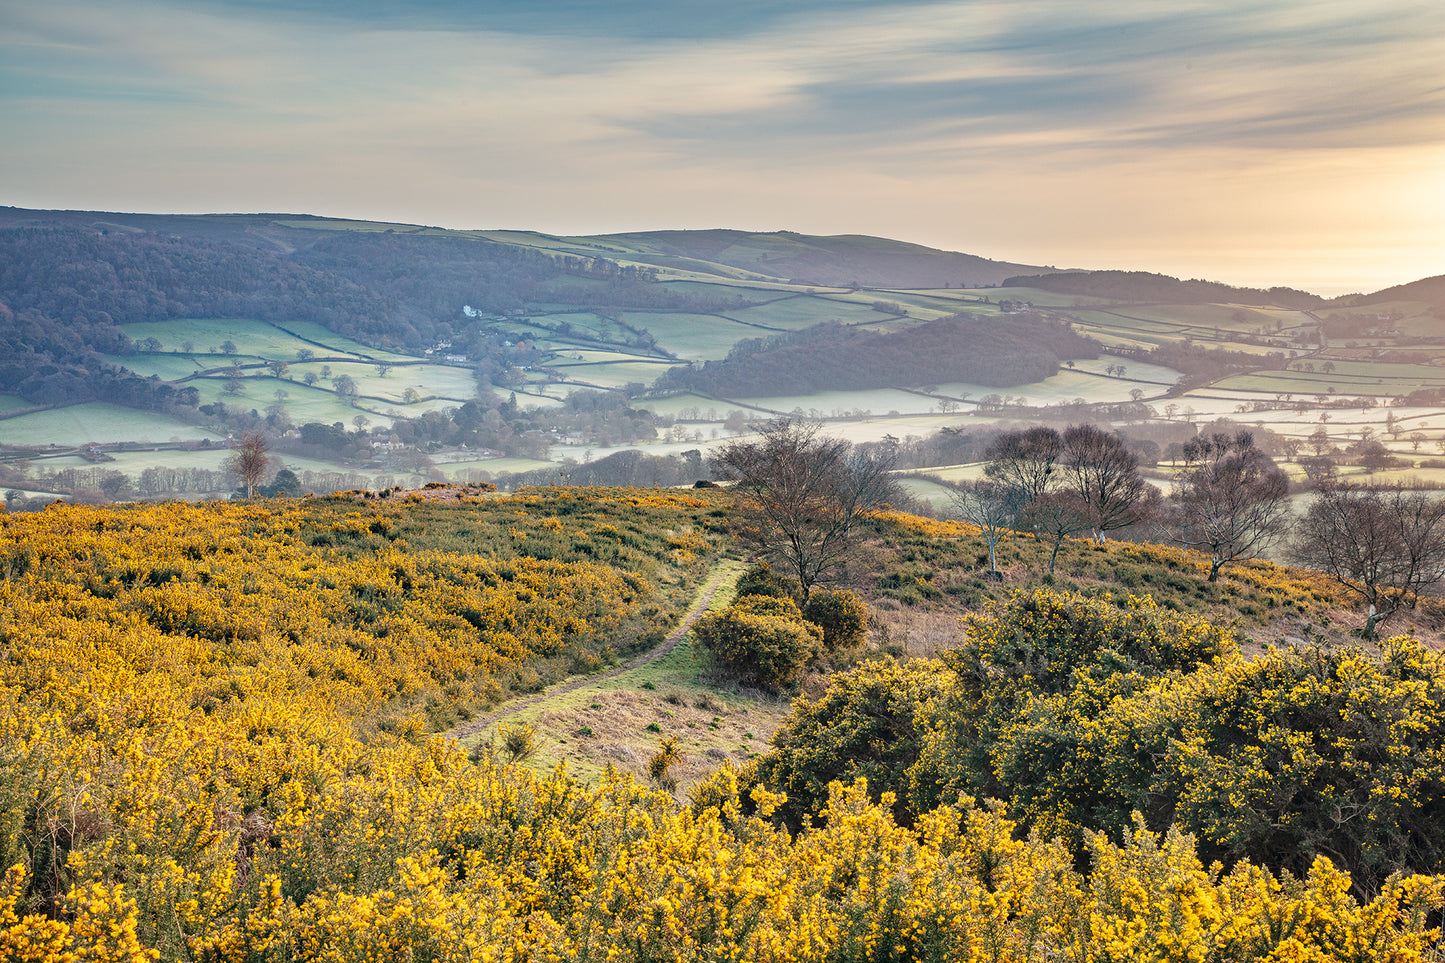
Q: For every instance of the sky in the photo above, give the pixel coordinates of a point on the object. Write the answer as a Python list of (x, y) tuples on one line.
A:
[(1257, 143)]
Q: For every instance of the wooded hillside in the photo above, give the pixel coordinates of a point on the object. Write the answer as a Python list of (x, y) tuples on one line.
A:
[(967, 348)]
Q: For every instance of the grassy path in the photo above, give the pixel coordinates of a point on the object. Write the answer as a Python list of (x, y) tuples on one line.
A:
[(715, 580)]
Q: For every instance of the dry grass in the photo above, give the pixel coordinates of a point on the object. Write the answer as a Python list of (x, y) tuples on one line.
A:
[(622, 720)]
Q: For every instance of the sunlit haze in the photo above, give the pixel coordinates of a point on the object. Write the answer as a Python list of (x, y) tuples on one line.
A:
[(1259, 143)]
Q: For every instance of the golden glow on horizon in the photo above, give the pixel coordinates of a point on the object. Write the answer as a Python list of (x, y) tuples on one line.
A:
[(1256, 144)]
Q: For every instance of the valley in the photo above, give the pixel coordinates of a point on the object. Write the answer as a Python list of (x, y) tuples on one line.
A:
[(1285, 363)]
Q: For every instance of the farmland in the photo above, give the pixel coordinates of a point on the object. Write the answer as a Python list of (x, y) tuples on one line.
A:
[(1289, 371)]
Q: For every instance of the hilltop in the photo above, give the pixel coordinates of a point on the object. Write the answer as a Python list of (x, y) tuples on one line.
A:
[(838, 261)]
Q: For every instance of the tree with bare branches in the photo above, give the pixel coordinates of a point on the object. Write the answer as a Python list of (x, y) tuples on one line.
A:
[(248, 463), (801, 494), (993, 507), (1104, 475), (1384, 544), (1232, 499)]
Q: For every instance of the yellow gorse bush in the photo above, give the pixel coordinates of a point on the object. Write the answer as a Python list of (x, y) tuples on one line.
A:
[(188, 772)]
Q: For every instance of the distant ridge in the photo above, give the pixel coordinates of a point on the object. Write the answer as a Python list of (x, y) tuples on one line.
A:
[(1141, 286), (836, 261), (1429, 290), (827, 261)]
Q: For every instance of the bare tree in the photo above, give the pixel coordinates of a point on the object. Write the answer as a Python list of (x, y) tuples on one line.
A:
[(1029, 464), (1056, 515), (1384, 544), (1232, 499), (1105, 476), (249, 463), (991, 506), (346, 389), (1025, 461), (802, 493)]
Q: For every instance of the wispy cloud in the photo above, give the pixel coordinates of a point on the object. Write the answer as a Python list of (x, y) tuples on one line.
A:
[(572, 113)]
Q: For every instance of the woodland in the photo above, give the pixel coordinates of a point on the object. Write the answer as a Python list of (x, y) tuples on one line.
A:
[(965, 348)]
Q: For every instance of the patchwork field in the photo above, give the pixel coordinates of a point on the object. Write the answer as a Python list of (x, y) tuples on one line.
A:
[(567, 336)]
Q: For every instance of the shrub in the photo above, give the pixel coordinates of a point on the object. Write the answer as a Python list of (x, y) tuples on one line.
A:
[(1038, 645), (761, 580), (1304, 751), (842, 616), (865, 724), (763, 649), (659, 767), (519, 742), (781, 606)]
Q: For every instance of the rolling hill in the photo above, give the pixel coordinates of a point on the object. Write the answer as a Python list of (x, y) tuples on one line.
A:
[(128, 340), (837, 261)]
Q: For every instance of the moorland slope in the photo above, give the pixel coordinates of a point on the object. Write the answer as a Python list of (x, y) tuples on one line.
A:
[(216, 723)]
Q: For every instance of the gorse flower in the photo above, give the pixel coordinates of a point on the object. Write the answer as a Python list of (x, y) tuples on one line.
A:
[(215, 745)]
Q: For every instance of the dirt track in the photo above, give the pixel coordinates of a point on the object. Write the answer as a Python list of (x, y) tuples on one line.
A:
[(699, 606)]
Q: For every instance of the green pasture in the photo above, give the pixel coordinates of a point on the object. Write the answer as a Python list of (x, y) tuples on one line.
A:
[(830, 404), (1420, 326), (583, 357), (1155, 332), (134, 462), (1348, 378), (1134, 370), (1109, 339), (1407, 312), (327, 340), (583, 324), (1217, 317), (167, 367), (1423, 374), (723, 287), (428, 380), (957, 473), (1038, 298), (252, 338), (443, 381), (96, 422), (256, 339), (615, 374), (710, 409), (927, 307), (306, 404), (693, 337), (12, 403), (926, 490), (458, 470), (537, 395), (802, 311)]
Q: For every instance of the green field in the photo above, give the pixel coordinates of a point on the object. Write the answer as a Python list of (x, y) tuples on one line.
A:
[(96, 423), (577, 343), (795, 313), (1348, 378), (693, 337), (614, 374), (253, 339)]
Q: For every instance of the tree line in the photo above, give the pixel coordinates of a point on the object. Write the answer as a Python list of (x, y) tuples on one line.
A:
[(1385, 544)]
